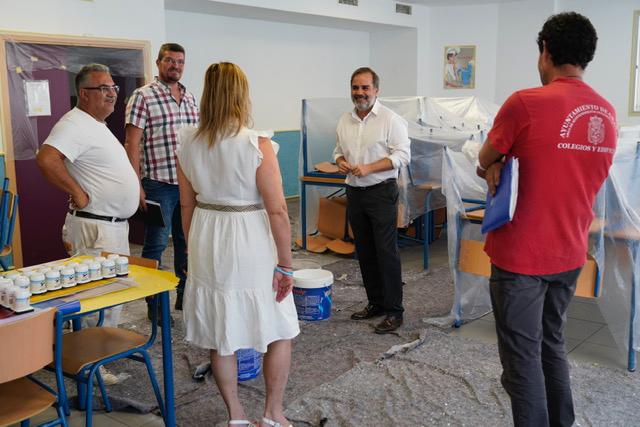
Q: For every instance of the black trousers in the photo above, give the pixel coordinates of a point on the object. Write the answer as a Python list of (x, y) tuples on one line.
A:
[(530, 316), (373, 214)]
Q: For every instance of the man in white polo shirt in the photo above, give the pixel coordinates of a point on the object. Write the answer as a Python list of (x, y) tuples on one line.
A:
[(372, 145), (83, 158)]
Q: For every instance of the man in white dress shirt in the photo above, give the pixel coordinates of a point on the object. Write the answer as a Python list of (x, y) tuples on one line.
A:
[(372, 145)]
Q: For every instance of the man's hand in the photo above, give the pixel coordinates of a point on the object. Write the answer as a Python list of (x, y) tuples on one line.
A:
[(343, 165), (361, 170), (143, 198), (79, 200), (492, 175)]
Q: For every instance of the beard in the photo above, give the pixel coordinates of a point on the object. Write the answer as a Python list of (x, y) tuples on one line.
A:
[(173, 76), (362, 103)]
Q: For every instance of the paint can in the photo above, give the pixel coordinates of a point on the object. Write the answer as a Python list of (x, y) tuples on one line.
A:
[(249, 364), (312, 293)]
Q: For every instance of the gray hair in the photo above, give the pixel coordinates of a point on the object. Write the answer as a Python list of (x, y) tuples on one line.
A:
[(83, 74)]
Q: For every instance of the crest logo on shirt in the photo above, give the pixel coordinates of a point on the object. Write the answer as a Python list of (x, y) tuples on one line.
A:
[(596, 130)]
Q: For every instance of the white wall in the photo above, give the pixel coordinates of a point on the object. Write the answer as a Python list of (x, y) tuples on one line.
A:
[(609, 72), (517, 52), (460, 25), (125, 19), (284, 62), (393, 57)]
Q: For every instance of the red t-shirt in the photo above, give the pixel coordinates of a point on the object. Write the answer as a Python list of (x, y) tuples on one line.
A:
[(564, 135)]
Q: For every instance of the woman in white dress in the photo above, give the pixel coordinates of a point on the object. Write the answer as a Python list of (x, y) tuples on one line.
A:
[(238, 292)]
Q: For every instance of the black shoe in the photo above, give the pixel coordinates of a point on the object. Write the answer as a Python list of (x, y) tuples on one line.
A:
[(388, 324), (178, 305), (159, 319), (368, 312)]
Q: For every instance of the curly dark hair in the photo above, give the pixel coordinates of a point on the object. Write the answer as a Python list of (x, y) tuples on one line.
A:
[(570, 39)]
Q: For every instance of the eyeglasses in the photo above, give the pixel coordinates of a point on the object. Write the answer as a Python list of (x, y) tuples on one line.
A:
[(104, 89), (172, 61)]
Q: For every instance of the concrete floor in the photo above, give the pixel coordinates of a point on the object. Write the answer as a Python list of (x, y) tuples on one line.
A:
[(588, 337)]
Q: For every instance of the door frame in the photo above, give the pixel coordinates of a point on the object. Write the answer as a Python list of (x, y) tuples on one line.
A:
[(6, 138)]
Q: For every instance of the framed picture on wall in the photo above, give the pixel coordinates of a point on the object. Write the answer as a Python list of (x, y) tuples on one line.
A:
[(459, 67)]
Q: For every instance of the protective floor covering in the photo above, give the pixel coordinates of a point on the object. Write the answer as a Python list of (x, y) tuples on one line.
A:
[(444, 380), (323, 351)]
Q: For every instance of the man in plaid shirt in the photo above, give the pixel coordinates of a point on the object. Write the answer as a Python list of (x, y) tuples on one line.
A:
[(155, 113)]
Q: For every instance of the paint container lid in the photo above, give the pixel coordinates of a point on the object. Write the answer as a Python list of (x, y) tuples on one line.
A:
[(312, 278), (113, 257), (37, 277), (99, 259), (68, 271), (22, 281), (53, 274)]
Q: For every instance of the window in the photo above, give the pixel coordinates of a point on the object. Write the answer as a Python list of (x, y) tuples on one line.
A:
[(634, 93)]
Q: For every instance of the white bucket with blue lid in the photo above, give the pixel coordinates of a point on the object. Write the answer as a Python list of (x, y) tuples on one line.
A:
[(249, 363), (312, 293)]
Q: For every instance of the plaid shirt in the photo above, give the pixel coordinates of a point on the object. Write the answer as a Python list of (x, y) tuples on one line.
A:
[(153, 109)]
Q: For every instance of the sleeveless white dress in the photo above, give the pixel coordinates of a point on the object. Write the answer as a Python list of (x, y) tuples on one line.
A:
[(229, 303)]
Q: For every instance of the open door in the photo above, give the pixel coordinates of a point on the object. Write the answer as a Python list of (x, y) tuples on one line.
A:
[(37, 74)]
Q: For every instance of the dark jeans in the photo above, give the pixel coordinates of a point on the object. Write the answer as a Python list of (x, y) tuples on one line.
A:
[(373, 214), (530, 314), (156, 239)]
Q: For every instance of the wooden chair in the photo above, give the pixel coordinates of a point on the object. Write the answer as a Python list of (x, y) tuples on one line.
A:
[(27, 347), (84, 351)]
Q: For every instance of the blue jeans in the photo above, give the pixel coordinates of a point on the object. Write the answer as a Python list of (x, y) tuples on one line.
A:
[(156, 239)]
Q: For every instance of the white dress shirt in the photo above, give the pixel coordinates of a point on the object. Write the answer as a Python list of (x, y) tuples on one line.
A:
[(381, 134)]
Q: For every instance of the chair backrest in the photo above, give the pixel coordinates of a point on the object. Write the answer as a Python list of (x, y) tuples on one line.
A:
[(27, 344), (136, 260), (8, 214)]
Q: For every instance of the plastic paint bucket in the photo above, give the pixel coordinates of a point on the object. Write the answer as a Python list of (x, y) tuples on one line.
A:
[(312, 293), (249, 363)]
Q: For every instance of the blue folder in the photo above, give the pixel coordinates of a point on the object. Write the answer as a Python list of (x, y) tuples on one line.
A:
[(501, 206)]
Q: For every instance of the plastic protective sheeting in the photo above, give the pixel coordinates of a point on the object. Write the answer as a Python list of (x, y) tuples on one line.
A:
[(471, 299), (614, 242), (433, 123), (26, 60)]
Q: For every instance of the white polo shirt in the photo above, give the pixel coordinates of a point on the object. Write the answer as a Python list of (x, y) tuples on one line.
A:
[(98, 162), (381, 134)]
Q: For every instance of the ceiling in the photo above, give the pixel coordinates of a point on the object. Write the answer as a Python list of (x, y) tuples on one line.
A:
[(453, 2)]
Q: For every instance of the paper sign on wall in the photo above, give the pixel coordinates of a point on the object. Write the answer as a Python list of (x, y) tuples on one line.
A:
[(37, 94)]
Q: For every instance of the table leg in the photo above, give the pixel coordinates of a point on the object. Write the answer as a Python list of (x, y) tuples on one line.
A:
[(167, 362), (303, 215), (631, 366)]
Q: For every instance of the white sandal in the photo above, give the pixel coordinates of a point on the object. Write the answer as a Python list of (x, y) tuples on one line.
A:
[(241, 423), (273, 423)]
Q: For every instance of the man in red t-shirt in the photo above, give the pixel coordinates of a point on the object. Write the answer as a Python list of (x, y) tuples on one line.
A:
[(564, 136)]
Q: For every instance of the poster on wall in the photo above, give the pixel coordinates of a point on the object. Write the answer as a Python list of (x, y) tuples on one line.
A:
[(460, 67), (37, 94)]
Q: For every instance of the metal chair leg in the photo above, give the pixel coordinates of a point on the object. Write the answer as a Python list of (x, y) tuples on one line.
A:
[(103, 391), (154, 381), (89, 398)]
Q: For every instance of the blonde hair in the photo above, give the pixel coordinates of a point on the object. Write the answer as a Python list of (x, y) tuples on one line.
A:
[(225, 105)]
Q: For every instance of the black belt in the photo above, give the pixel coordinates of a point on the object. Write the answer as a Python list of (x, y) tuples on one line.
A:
[(89, 215), (374, 186)]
